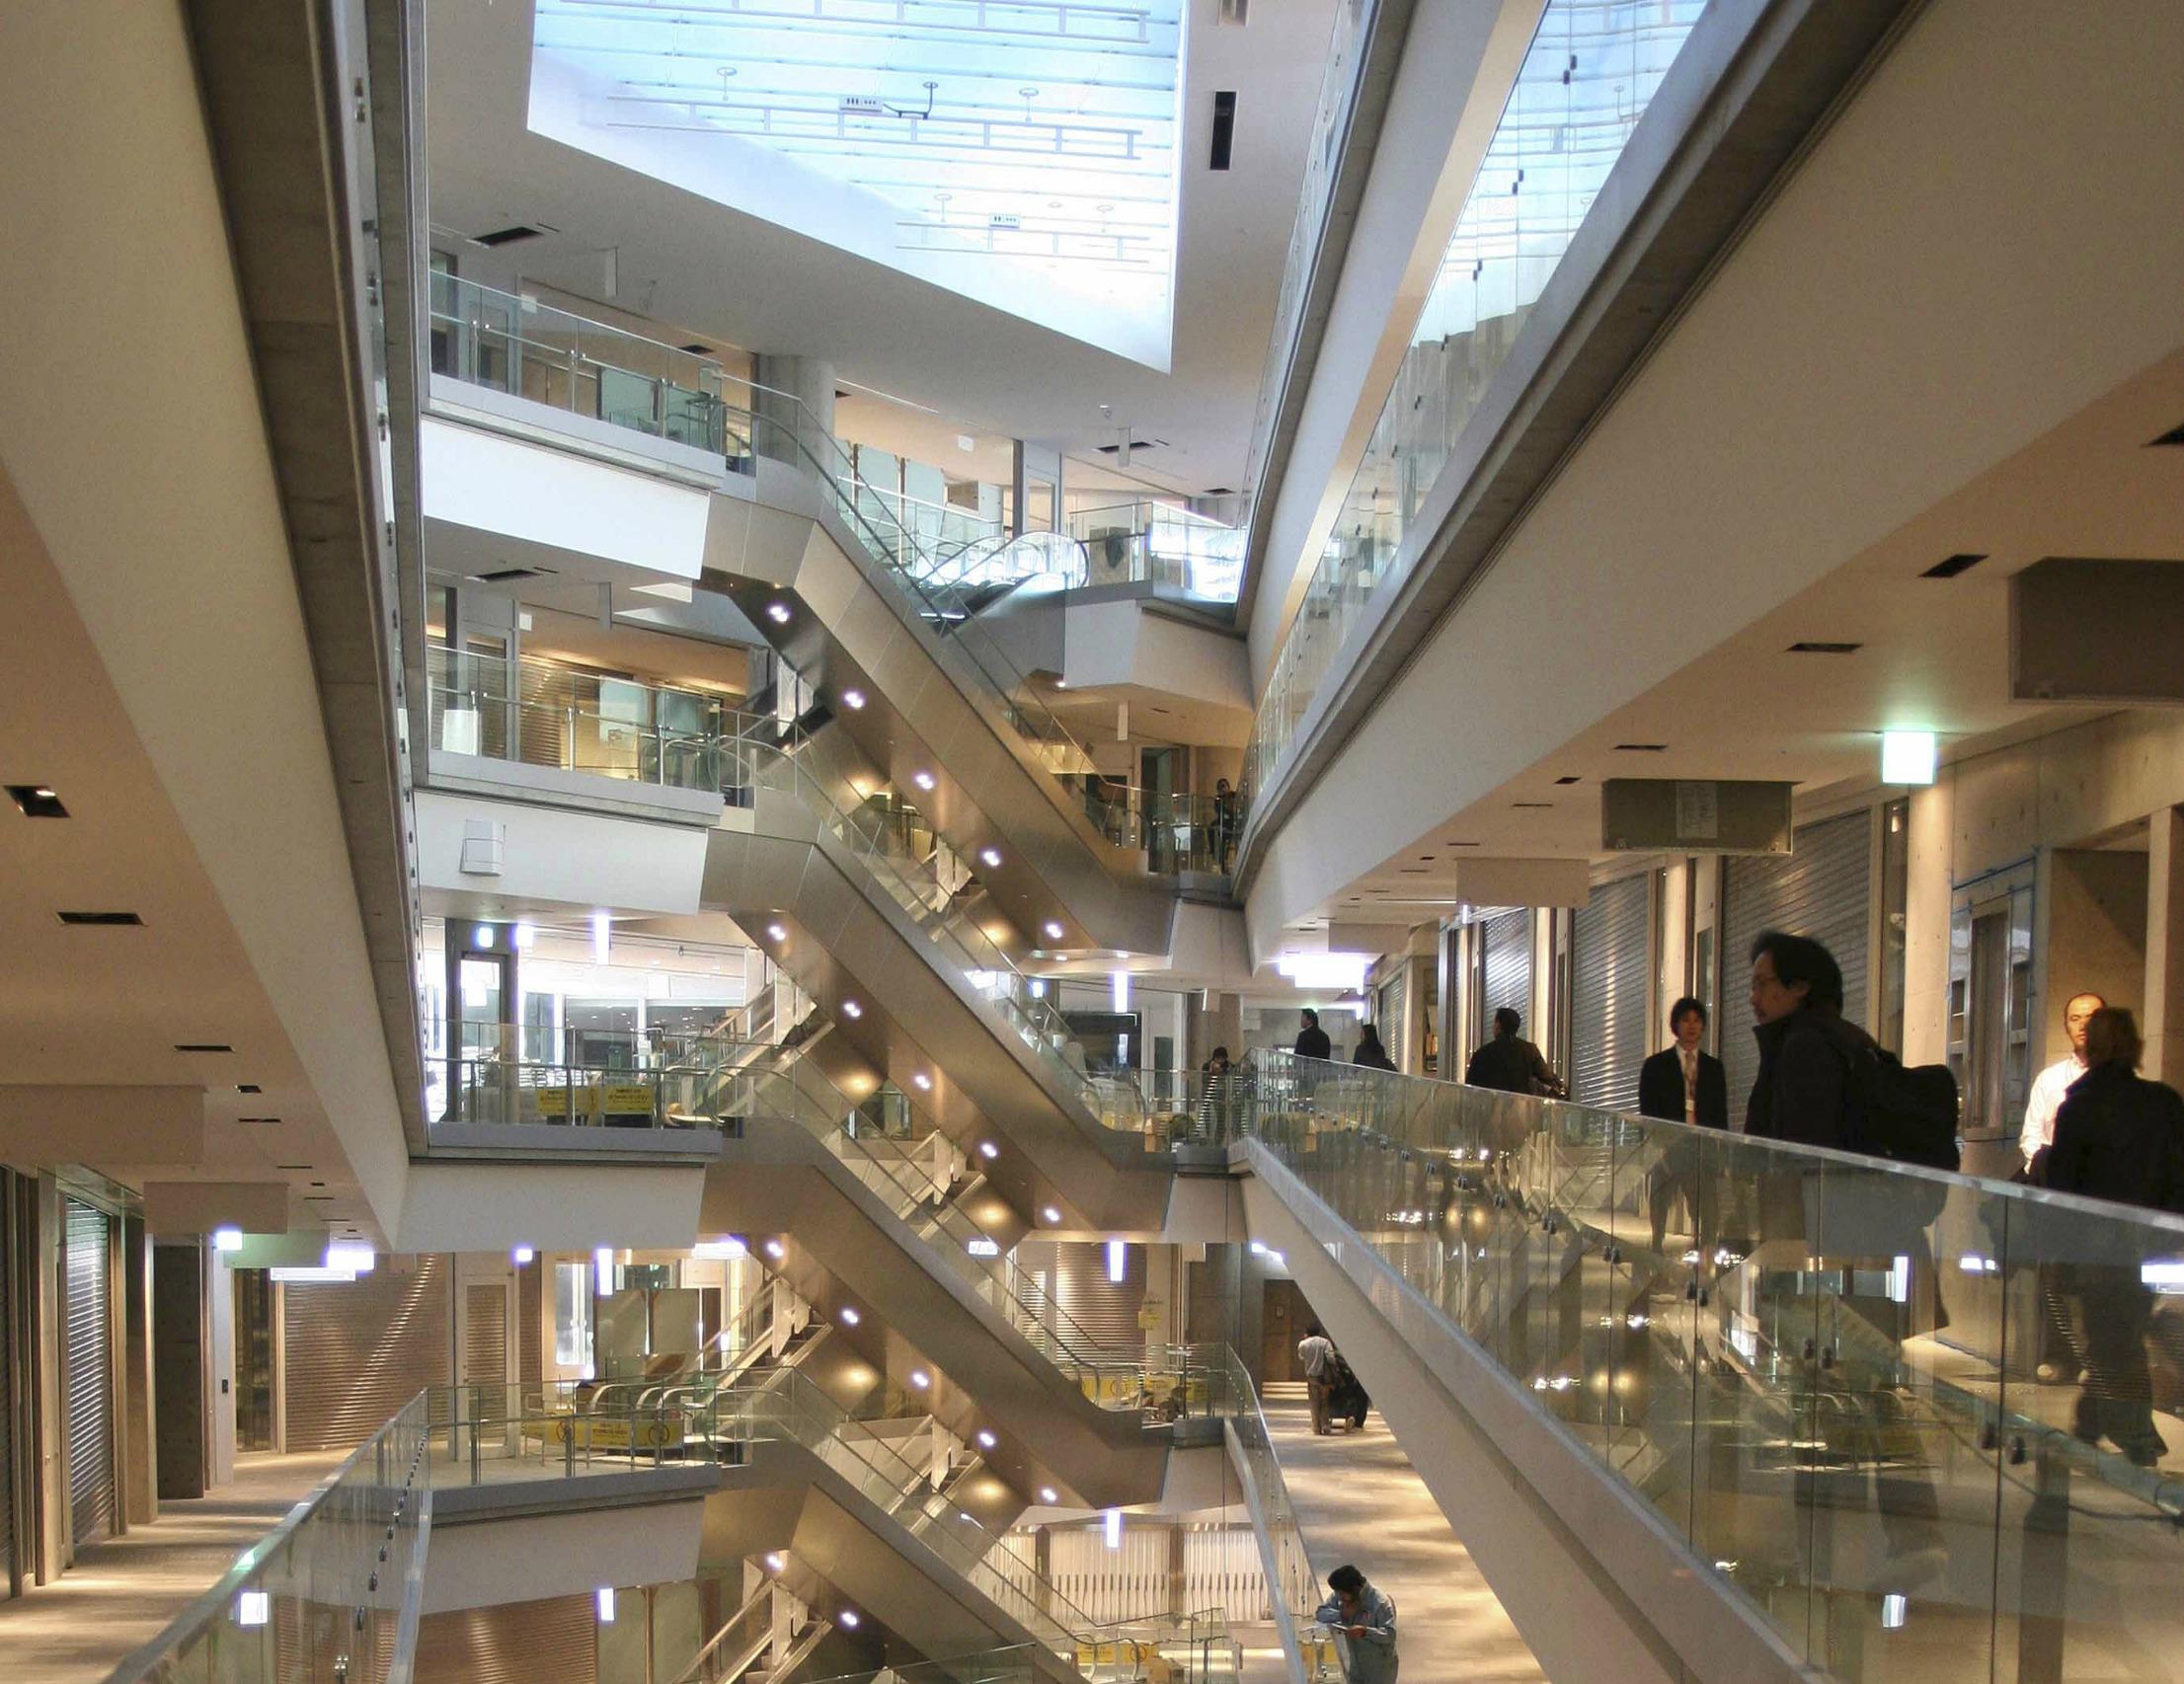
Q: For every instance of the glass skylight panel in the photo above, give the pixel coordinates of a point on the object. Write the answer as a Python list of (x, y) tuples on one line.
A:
[(1020, 151)]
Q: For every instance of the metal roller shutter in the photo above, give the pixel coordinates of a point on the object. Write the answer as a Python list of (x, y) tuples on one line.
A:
[(1507, 969), (1609, 971), (357, 1351), (1389, 1019), (6, 1381), (1824, 889), (87, 1379), (1076, 1271), (486, 1346), (516, 1643)]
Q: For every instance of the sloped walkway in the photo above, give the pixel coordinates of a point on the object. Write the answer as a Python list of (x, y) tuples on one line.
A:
[(1359, 1501)]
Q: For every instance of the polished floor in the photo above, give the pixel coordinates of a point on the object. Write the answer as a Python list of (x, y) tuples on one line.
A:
[(121, 1593), (1357, 1499)]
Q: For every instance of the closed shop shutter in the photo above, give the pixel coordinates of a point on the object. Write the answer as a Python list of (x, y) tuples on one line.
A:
[(1823, 890), (88, 1378), (530, 1354), (1105, 1310), (357, 1351), (486, 1346), (1394, 998), (8, 1381), (516, 1643), (1609, 969), (1507, 968)]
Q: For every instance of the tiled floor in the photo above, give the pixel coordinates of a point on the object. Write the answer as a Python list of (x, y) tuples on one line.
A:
[(121, 1593), (1359, 1501)]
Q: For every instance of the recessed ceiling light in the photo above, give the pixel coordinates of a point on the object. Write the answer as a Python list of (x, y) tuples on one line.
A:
[(924, 779), (920, 1379), (988, 1151), (850, 1009), (37, 801), (989, 857), (775, 1251), (853, 699), (923, 1081), (1951, 566), (777, 931), (1051, 1213), (778, 613), (1054, 931), (986, 1440), (1048, 1495), (1819, 647), (850, 1619), (850, 1317)]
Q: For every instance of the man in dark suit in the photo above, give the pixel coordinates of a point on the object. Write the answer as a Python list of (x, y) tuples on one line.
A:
[(1682, 1084)]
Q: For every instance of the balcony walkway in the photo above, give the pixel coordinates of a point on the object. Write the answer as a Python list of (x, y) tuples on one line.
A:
[(121, 1593), (1357, 1501)]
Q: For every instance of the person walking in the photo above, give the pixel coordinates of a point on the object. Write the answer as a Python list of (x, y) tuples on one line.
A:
[(1224, 823), (1363, 1616), (1315, 1353), (1312, 1039), (1508, 1062), (2057, 1362), (1219, 1080), (1371, 1053), (1683, 1084), (1803, 1090), (2119, 1137)]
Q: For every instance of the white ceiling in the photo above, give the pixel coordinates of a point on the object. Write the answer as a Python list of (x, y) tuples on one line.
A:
[(682, 258), (1935, 655)]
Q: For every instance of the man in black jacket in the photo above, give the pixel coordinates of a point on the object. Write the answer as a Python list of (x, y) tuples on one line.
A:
[(1510, 1063), (1803, 1091), (1682, 1084), (1312, 1039)]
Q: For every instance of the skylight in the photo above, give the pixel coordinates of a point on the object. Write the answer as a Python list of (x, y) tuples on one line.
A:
[(1022, 152)]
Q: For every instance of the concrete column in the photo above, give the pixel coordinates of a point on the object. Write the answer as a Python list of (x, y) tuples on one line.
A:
[(2163, 1020), (795, 394), (1926, 924), (1035, 477), (180, 1353), (138, 1451)]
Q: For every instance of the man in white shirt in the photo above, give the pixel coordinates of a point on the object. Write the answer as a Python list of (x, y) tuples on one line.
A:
[(1316, 1352), (2048, 1086), (2057, 1362)]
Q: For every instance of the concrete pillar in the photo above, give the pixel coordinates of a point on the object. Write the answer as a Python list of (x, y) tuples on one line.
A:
[(139, 1452), (796, 395), (2163, 1020), (1926, 924), (181, 1358), (1035, 499)]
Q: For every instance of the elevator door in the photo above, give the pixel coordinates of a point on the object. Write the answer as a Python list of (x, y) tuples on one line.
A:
[(88, 1375)]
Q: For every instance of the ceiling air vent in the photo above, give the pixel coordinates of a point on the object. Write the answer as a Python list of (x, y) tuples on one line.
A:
[(1819, 647), (507, 236), (1568, 779), (1951, 566), (104, 920), (1135, 443), (1641, 748), (203, 1047), (506, 576)]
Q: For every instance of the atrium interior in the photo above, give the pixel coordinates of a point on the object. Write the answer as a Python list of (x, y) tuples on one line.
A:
[(948, 841)]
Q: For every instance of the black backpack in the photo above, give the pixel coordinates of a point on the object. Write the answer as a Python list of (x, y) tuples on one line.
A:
[(1904, 1112)]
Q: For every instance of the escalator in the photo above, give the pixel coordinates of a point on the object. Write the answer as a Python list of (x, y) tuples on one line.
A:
[(1762, 1410)]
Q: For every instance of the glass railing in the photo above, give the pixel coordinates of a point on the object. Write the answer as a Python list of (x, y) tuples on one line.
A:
[(1291, 1585), (940, 531), (1157, 542), (1592, 69), (515, 345), (996, 564), (772, 1628), (338, 1586), (1819, 1368)]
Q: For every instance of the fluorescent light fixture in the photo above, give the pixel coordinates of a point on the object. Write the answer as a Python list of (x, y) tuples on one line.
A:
[(356, 1260), (1893, 1607), (606, 1605), (2164, 1277), (1113, 1522), (850, 1317), (1909, 756), (1340, 972), (986, 1440), (850, 1620), (1899, 1278), (777, 931), (522, 1254), (1054, 932), (851, 1009), (924, 779), (1048, 1495), (920, 1379), (227, 1239), (982, 1248), (775, 1250), (254, 1608), (1121, 990), (853, 699), (1117, 1258), (989, 857), (603, 1268), (482, 935), (778, 613), (1049, 1213), (602, 927), (725, 1249), (988, 1151)]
